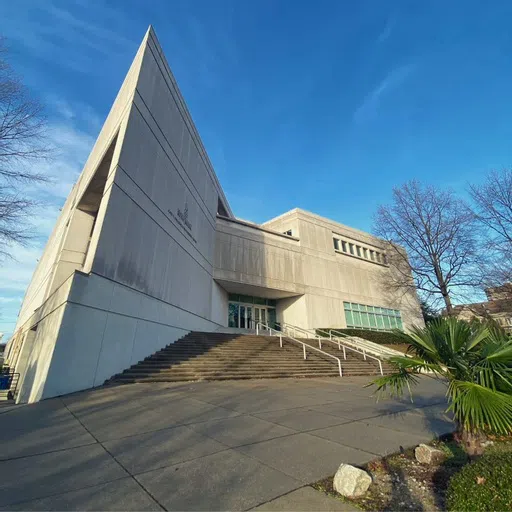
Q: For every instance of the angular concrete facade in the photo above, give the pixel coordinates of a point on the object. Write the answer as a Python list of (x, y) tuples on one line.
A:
[(147, 249)]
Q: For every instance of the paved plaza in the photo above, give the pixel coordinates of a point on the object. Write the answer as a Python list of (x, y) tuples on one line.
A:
[(232, 445)]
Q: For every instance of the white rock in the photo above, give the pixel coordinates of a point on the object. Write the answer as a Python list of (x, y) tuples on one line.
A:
[(350, 481), (429, 455)]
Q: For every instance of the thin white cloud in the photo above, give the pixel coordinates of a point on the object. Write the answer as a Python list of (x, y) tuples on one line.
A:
[(10, 300), (392, 81), (54, 30)]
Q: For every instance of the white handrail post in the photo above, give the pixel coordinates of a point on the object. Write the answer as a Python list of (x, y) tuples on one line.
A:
[(364, 354), (304, 348), (319, 342), (257, 329), (380, 366), (339, 345), (281, 340), (344, 352), (339, 366)]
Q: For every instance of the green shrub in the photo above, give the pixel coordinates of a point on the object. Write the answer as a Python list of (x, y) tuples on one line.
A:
[(484, 485), (380, 337)]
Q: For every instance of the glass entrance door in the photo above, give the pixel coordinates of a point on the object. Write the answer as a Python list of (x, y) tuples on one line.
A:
[(246, 317), (260, 315)]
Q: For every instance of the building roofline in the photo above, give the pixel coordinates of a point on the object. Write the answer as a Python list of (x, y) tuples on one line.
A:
[(151, 36), (258, 227), (333, 223)]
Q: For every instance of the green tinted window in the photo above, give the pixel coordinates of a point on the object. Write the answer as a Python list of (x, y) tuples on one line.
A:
[(371, 317)]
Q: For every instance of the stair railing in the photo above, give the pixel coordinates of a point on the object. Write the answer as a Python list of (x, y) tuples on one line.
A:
[(363, 344), (261, 326), (341, 343)]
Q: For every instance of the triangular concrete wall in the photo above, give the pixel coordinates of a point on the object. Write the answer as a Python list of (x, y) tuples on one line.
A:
[(139, 274)]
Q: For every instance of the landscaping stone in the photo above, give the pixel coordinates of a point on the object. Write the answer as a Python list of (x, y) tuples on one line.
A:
[(429, 455), (351, 481)]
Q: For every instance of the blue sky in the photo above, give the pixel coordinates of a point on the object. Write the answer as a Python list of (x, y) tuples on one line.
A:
[(322, 105)]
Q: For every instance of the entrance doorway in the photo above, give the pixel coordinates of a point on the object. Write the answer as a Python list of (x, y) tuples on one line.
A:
[(248, 311), (260, 314), (246, 317)]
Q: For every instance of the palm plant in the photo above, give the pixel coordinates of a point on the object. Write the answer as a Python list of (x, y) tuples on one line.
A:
[(474, 360)]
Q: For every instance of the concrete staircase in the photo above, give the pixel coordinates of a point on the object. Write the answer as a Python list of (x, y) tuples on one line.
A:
[(223, 356)]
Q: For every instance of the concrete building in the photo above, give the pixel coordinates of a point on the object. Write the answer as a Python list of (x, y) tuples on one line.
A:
[(497, 307), (147, 249)]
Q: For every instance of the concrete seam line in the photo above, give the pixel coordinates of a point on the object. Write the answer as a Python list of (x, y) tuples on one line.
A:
[(114, 458)]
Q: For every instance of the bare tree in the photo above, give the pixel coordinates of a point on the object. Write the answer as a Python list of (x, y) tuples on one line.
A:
[(432, 234), (493, 208), (22, 144)]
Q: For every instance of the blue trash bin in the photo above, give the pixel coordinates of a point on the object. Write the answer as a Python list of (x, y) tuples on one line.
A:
[(5, 381)]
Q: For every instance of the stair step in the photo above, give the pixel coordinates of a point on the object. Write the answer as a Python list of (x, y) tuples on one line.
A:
[(220, 356)]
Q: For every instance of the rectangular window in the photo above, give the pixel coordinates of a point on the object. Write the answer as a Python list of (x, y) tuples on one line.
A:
[(372, 255), (336, 244), (344, 246), (365, 252), (377, 256), (371, 317), (358, 249), (351, 247)]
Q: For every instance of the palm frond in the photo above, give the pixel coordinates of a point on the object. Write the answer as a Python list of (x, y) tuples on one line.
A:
[(415, 365), (395, 384), (498, 352), (478, 408), (479, 334)]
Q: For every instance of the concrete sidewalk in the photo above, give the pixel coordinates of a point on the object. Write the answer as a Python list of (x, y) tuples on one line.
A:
[(234, 445)]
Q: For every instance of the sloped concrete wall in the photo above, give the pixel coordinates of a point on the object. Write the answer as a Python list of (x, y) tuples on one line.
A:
[(149, 264)]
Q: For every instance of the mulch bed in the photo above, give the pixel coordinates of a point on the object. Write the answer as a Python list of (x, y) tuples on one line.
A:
[(402, 483)]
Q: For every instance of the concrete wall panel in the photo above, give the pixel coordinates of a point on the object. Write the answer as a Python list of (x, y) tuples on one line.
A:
[(75, 358), (116, 348)]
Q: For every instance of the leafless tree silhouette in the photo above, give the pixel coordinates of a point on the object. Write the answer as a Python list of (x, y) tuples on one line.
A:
[(493, 208), (439, 234), (23, 143)]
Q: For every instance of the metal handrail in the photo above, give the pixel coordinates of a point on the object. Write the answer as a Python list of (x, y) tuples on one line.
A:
[(341, 346), (360, 341), (304, 345)]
